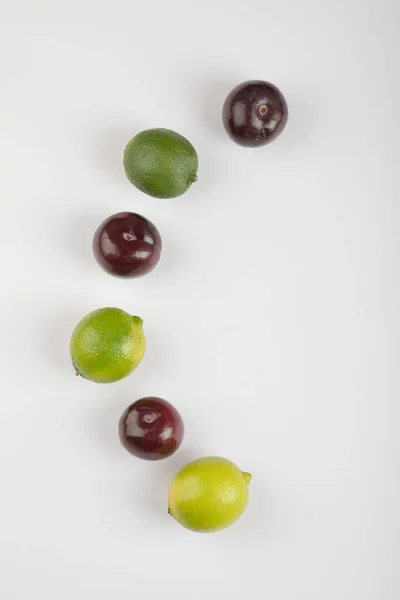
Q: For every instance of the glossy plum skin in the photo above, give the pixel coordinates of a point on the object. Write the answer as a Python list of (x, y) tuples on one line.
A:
[(255, 113), (151, 428), (127, 245)]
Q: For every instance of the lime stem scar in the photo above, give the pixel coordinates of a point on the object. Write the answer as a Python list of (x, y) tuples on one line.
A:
[(247, 477)]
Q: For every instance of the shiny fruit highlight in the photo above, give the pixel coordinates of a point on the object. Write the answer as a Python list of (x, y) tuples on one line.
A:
[(255, 113), (151, 428), (127, 245)]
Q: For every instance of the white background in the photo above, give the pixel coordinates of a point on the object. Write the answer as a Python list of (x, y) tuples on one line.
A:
[(272, 320)]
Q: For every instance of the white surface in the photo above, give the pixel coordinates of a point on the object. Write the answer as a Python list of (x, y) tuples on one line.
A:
[(272, 319)]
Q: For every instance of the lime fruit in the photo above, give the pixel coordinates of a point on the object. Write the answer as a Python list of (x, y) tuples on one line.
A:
[(161, 163), (107, 345), (208, 494)]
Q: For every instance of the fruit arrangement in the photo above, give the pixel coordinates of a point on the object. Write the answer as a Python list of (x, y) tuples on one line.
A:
[(108, 344)]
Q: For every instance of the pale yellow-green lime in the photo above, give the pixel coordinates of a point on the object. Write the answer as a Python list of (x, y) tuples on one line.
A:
[(107, 345), (208, 494), (161, 163)]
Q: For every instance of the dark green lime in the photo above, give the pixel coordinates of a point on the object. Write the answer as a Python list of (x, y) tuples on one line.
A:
[(161, 163)]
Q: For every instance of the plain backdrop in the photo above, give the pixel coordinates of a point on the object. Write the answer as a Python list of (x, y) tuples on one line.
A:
[(272, 319)]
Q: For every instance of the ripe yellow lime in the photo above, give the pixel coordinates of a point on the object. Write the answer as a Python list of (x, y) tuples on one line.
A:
[(107, 345), (208, 494), (161, 163)]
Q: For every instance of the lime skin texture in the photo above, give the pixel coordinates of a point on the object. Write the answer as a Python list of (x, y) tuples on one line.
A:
[(107, 345), (161, 163), (208, 494)]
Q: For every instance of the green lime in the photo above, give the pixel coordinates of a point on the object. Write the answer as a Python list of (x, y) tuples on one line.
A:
[(208, 494), (107, 345), (161, 163)]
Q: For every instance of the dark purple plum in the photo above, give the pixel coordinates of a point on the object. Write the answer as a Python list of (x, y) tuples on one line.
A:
[(255, 113), (127, 245), (151, 428)]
